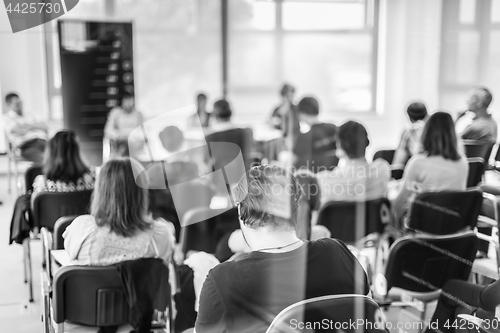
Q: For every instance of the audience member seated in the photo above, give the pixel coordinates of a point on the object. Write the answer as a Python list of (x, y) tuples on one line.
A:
[(118, 227), (122, 120), (175, 169), (440, 167), (24, 133), (354, 179), (315, 149), (461, 297), (64, 170), (409, 144), (246, 294), (278, 116), (223, 130), (477, 123), (201, 117)]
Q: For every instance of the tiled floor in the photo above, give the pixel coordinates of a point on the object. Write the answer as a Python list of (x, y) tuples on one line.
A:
[(17, 314)]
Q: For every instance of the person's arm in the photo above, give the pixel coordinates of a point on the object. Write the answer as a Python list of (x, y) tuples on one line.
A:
[(410, 186), (212, 314), (164, 238), (110, 130), (401, 154)]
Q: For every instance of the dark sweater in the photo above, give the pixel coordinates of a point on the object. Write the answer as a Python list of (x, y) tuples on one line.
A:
[(246, 295)]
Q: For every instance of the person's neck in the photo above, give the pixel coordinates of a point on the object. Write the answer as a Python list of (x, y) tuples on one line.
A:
[(311, 120), (263, 238), (355, 160), (482, 112)]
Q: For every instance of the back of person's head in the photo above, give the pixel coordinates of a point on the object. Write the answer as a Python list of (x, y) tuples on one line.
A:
[(483, 95), (118, 202), (63, 161), (286, 89), (439, 137), (353, 139), (222, 110), (308, 106), (127, 100), (268, 196), (201, 97), (416, 111), (9, 97), (171, 138)]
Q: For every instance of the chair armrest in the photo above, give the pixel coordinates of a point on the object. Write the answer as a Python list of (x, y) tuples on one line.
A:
[(484, 221), (47, 247)]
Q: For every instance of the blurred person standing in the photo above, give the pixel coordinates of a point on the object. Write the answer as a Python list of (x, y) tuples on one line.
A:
[(122, 120)]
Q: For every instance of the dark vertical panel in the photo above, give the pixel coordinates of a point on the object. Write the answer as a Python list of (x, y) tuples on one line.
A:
[(96, 70)]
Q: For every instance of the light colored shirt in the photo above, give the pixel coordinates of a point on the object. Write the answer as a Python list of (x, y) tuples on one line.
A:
[(355, 180), (89, 244), (409, 144), (429, 174), (12, 122), (479, 128), (120, 124)]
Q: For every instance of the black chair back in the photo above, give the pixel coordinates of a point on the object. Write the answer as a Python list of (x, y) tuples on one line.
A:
[(309, 201), (387, 154), (242, 137), (479, 149), (95, 295), (477, 167), (210, 226), (344, 219), (446, 212), (89, 295), (30, 175), (59, 228), (336, 310), (425, 264), (47, 207)]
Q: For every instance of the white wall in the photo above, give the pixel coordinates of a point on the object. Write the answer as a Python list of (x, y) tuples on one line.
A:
[(22, 66), (409, 44)]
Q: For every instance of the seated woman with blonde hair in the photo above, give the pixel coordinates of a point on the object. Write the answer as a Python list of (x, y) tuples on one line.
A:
[(119, 227)]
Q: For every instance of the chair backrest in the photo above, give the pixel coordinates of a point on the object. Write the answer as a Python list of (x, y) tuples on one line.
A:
[(425, 263), (95, 295), (205, 235), (481, 149), (445, 212), (47, 207), (30, 175), (309, 201), (242, 137), (89, 295), (335, 310), (59, 228), (477, 167), (345, 219), (387, 154)]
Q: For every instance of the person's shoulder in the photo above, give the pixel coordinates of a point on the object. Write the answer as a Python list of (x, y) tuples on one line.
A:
[(325, 243), (381, 165), (83, 220)]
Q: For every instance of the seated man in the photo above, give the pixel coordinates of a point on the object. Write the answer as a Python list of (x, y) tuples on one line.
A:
[(223, 130), (354, 179), (314, 149), (279, 115), (410, 140), (24, 133), (246, 294), (477, 123)]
